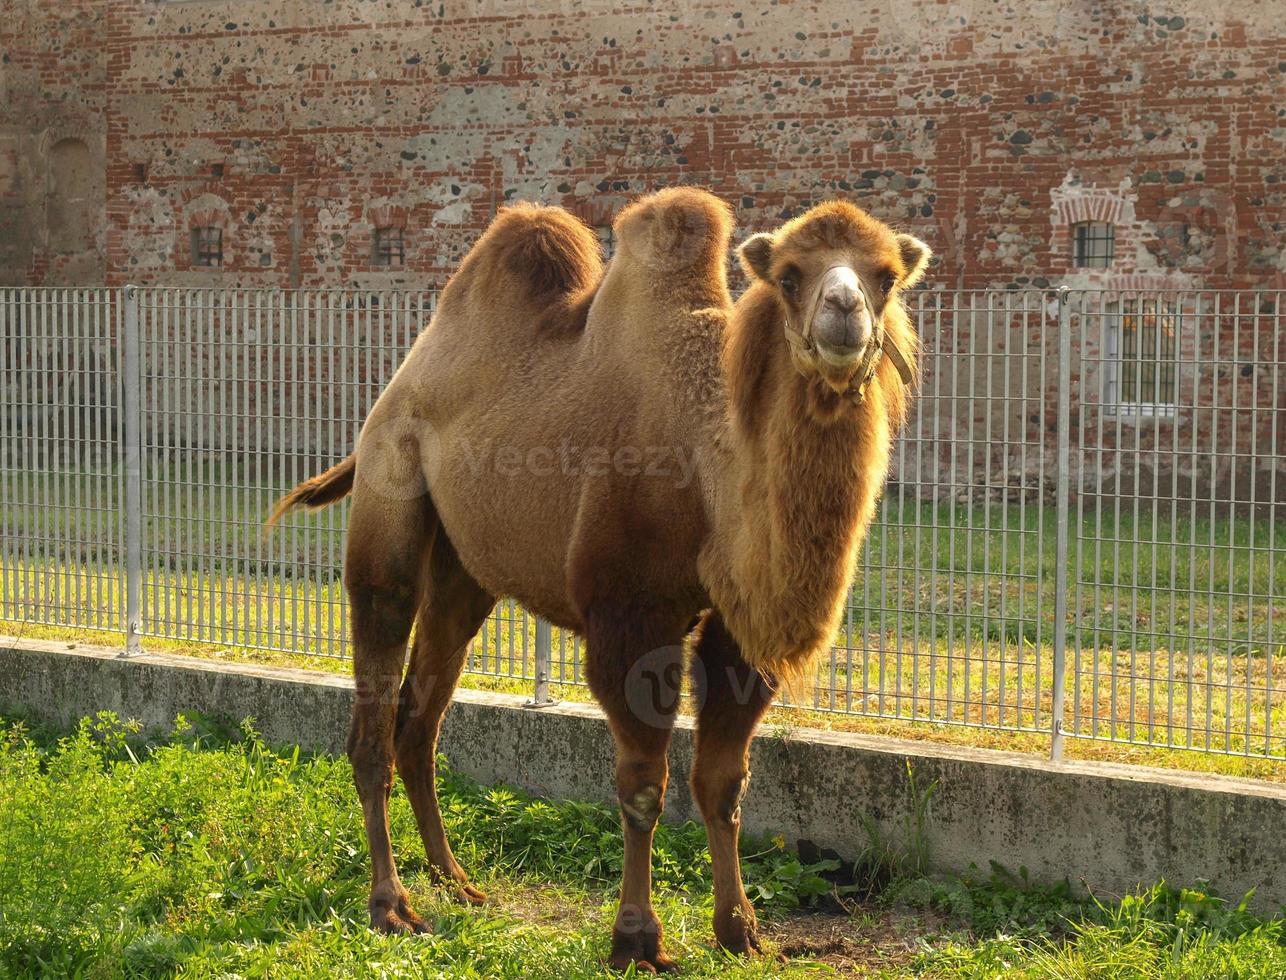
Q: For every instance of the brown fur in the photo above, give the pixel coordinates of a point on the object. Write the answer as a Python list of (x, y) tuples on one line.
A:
[(546, 253), (812, 461), (513, 446), (317, 491)]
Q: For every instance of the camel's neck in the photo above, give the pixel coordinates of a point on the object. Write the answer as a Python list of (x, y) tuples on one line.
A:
[(797, 485)]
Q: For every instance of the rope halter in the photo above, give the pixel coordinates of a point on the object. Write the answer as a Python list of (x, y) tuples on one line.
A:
[(805, 356)]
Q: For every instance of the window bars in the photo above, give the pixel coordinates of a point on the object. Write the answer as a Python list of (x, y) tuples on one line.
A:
[(607, 239), (1141, 364), (207, 247), (1093, 244), (389, 248)]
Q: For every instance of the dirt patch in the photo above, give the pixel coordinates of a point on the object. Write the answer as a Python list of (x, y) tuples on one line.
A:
[(866, 940)]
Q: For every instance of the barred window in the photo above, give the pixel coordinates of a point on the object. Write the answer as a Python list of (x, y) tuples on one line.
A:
[(1141, 366), (1093, 244), (207, 247), (389, 248)]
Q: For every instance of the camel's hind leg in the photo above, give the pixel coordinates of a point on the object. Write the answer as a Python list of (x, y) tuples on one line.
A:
[(388, 544), (454, 607), (731, 699)]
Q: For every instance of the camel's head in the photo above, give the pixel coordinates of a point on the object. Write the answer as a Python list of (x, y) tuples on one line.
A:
[(836, 273)]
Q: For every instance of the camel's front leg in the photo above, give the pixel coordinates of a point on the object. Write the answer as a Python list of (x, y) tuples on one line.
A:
[(731, 698), (635, 674)]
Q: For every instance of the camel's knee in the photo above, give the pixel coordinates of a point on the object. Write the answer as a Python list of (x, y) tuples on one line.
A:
[(372, 763), (640, 787), (719, 792), (643, 807), (414, 742)]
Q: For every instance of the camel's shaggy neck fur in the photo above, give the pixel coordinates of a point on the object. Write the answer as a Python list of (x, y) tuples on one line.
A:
[(795, 484)]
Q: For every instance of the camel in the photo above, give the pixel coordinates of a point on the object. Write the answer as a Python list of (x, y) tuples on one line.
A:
[(635, 458)]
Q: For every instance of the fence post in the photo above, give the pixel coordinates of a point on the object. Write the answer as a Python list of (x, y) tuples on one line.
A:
[(1063, 492), (131, 402), (544, 663)]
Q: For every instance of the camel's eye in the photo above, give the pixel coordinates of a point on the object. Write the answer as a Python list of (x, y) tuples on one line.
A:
[(888, 282), (790, 284)]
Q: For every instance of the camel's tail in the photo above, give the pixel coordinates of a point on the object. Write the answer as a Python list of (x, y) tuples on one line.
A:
[(317, 491)]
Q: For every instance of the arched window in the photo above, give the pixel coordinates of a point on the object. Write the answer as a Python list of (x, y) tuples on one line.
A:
[(69, 214)]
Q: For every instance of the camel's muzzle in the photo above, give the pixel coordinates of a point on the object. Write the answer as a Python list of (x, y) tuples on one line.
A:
[(842, 323), (843, 337)]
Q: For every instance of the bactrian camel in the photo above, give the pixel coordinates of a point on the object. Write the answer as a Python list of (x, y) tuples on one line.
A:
[(637, 459)]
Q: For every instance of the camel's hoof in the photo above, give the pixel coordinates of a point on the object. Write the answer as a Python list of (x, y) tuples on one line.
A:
[(660, 964), (457, 882), (396, 917), (642, 949), (399, 924), (737, 931)]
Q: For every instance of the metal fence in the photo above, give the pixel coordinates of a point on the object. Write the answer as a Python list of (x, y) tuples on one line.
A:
[(1081, 534)]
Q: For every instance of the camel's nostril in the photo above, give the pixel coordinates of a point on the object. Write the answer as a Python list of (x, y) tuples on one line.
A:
[(842, 332), (842, 298), (841, 324)]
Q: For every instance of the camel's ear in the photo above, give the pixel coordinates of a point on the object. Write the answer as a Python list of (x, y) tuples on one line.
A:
[(756, 256), (915, 256)]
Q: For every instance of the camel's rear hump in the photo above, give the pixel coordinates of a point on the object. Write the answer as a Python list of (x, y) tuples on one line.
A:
[(539, 259)]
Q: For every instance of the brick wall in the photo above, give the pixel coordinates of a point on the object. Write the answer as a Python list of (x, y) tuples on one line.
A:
[(983, 127), (989, 129), (53, 126)]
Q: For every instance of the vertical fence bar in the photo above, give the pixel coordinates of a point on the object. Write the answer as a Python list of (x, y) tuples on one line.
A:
[(131, 397), (544, 662), (1060, 543)]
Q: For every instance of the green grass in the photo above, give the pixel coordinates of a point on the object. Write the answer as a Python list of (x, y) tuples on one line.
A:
[(210, 854), (987, 571), (201, 856), (1176, 934)]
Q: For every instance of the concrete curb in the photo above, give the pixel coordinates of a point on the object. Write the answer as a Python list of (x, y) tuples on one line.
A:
[(1104, 827)]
